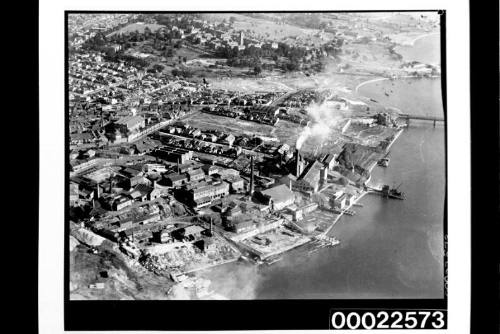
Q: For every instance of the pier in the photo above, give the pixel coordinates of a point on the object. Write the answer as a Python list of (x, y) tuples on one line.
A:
[(409, 117)]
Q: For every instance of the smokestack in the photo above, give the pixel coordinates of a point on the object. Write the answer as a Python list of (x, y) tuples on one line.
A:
[(290, 185), (178, 166), (211, 227), (297, 163), (98, 191), (251, 176)]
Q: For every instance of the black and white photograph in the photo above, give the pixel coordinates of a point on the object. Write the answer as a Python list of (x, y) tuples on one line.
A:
[(255, 166), (256, 155)]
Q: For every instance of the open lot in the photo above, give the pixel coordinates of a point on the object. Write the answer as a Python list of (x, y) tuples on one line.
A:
[(281, 239), (287, 132), (137, 26)]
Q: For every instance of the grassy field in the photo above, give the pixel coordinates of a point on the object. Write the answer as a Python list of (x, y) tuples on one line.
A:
[(136, 26), (266, 29)]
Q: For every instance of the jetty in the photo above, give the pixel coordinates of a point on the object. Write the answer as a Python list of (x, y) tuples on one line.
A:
[(409, 117)]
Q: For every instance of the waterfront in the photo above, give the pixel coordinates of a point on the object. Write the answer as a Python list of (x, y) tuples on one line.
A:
[(391, 248), (425, 50)]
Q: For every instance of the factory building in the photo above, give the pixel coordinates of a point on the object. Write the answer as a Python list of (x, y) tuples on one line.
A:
[(130, 123), (173, 154), (339, 202), (330, 160), (195, 175), (311, 180), (277, 197), (210, 169), (203, 194), (236, 184), (175, 179)]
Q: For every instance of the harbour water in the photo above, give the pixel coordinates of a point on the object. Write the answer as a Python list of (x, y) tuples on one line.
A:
[(425, 50), (390, 248)]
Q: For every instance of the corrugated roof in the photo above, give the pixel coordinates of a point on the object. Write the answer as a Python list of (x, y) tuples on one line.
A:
[(279, 193)]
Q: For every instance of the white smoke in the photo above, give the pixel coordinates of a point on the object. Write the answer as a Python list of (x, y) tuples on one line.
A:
[(323, 120)]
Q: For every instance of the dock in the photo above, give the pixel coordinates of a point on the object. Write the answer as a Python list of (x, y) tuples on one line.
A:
[(409, 117)]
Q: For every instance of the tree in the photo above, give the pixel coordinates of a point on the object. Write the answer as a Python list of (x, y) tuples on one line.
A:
[(158, 67), (257, 70), (147, 31)]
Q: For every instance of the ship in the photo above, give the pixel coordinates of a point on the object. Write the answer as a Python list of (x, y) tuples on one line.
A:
[(384, 162), (392, 192)]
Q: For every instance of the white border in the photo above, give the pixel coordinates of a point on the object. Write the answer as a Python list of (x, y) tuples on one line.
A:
[(51, 232)]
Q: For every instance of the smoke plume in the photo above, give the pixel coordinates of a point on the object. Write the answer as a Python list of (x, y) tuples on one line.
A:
[(323, 120)]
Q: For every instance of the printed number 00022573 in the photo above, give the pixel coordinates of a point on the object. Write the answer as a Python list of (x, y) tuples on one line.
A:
[(404, 319)]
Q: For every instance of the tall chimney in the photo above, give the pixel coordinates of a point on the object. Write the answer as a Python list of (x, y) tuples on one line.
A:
[(251, 176), (98, 191), (297, 163), (178, 169), (211, 227)]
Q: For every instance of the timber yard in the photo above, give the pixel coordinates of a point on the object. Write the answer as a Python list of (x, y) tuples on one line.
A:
[(172, 172)]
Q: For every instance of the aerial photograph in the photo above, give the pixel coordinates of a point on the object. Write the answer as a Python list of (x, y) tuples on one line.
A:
[(265, 155)]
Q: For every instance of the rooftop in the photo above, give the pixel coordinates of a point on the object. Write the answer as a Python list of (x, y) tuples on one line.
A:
[(279, 193), (130, 120)]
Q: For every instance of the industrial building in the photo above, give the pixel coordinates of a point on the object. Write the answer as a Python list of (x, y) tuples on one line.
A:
[(175, 179), (236, 184), (277, 197), (313, 177), (195, 175), (130, 123), (204, 193), (173, 154)]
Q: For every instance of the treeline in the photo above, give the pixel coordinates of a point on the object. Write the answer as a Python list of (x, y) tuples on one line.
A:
[(310, 21), (296, 57)]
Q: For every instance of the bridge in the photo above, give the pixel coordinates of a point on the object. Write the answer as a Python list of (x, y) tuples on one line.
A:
[(409, 117)]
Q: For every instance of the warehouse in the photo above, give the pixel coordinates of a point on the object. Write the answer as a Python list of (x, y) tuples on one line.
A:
[(277, 197)]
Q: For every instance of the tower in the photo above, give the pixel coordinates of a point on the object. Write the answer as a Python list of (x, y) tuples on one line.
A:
[(298, 164), (241, 37), (252, 186)]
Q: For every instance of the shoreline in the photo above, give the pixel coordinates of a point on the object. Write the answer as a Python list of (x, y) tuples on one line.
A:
[(412, 43), (397, 78)]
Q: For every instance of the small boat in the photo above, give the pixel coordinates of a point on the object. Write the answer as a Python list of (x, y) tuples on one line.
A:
[(384, 162), (392, 192)]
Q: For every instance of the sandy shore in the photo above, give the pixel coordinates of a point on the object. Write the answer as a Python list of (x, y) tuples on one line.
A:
[(367, 82), (422, 36), (399, 77)]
